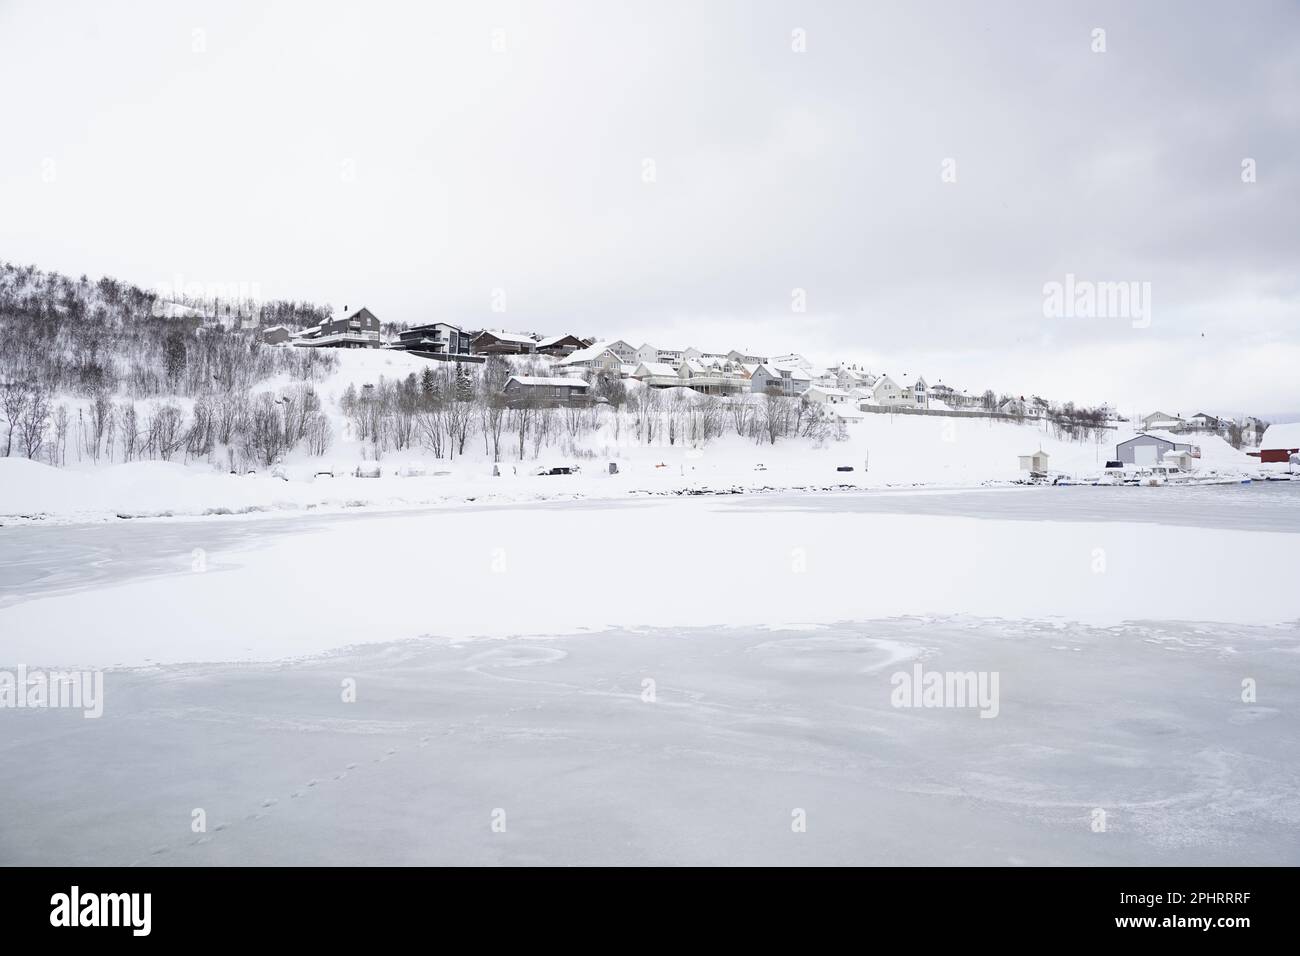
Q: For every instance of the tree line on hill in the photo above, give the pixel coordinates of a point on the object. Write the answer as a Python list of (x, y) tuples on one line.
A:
[(86, 368)]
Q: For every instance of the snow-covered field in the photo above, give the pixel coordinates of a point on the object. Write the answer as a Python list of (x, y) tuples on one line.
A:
[(883, 451), (667, 680)]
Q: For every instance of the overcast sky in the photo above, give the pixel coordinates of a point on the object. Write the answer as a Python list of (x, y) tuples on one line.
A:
[(415, 158)]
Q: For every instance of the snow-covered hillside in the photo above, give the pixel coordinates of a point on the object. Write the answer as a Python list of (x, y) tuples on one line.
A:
[(882, 451)]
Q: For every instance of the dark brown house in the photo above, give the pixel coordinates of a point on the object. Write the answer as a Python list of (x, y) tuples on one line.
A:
[(560, 345), (489, 342)]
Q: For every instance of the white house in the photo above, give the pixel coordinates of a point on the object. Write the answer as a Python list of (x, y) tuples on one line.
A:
[(823, 395), (1025, 409), (1162, 421), (849, 377), (885, 392), (625, 351), (710, 379), (656, 373), (596, 358)]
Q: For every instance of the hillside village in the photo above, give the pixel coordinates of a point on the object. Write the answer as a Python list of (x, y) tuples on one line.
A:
[(106, 373), (844, 391)]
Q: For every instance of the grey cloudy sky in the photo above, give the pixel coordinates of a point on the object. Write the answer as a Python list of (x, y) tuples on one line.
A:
[(386, 154)]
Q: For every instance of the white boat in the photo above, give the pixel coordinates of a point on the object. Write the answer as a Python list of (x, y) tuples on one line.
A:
[(1220, 480), (1157, 475)]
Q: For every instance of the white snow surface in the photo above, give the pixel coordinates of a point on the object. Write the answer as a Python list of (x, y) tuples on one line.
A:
[(771, 627), (292, 587)]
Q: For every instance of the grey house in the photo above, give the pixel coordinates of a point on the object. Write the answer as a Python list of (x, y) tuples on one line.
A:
[(546, 390), (1147, 449)]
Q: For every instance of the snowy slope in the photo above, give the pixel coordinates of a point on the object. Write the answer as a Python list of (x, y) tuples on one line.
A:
[(882, 451)]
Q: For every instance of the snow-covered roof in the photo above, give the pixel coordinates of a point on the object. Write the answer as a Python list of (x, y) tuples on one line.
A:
[(554, 339), (656, 368), (346, 314), (795, 372), (511, 337), (590, 353), (1162, 435), (1284, 435), (830, 390), (546, 380)]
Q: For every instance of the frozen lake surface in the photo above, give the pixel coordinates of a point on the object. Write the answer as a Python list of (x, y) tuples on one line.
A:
[(624, 738)]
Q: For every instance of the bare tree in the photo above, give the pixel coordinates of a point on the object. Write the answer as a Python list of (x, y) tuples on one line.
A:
[(523, 417), (59, 455), (319, 434), (740, 411), (492, 403), (15, 398), (777, 415), (35, 420), (166, 431), (458, 417)]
